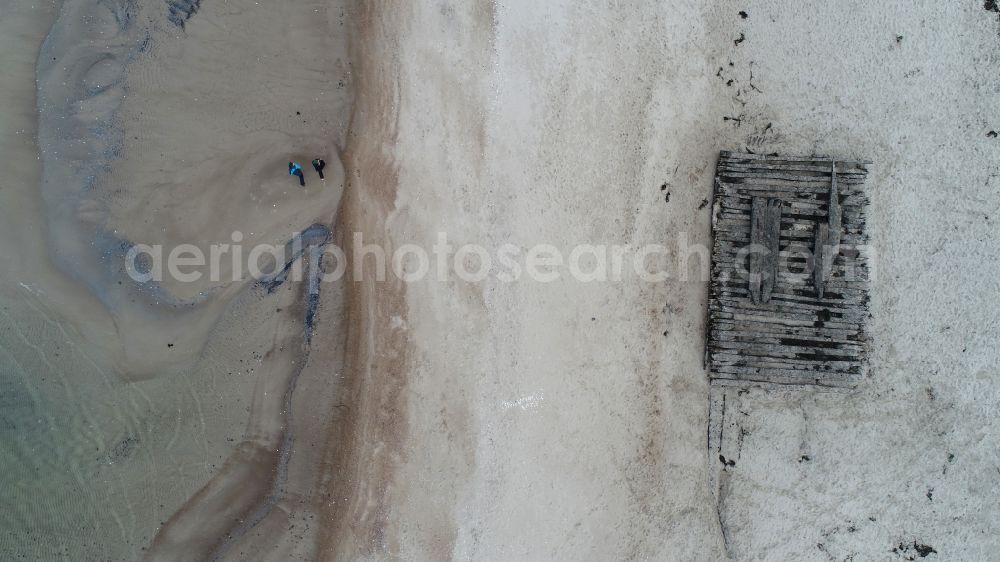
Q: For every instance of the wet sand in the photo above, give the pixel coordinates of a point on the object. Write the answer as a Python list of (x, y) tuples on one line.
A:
[(176, 161), (181, 392)]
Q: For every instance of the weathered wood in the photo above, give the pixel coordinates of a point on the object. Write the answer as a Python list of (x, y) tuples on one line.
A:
[(741, 201), (820, 257), (841, 290), (845, 386), (778, 321), (831, 368), (742, 332), (793, 191), (817, 169), (834, 211), (803, 187), (745, 156), (737, 233), (799, 228), (792, 309), (765, 225), (800, 301), (792, 348), (827, 238), (784, 376), (794, 259), (737, 360), (811, 206), (837, 291), (782, 321), (758, 217), (790, 179)]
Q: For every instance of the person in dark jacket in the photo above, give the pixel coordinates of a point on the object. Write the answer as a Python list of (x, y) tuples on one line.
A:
[(319, 164), (295, 170)]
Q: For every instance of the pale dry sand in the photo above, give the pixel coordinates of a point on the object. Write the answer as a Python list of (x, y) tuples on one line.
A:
[(569, 421), (499, 137)]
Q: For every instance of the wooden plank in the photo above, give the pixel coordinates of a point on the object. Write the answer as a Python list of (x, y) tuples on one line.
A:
[(801, 224), (785, 179), (742, 225), (804, 205), (758, 216), (805, 321), (819, 169), (813, 318), (727, 155), (803, 219), (795, 190), (737, 332), (848, 240), (856, 292), (738, 371), (827, 339), (837, 291), (738, 360), (794, 272), (827, 238), (834, 304), (790, 351), (768, 319), (792, 257), (796, 275), (821, 254), (790, 187), (746, 371), (793, 308), (834, 212), (765, 226), (844, 387), (785, 377)]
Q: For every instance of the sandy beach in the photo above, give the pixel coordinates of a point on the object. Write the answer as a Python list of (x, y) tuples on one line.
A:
[(302, 415)]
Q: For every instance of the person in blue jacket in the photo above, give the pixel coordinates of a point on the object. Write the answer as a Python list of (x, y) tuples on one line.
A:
[(295, 170)]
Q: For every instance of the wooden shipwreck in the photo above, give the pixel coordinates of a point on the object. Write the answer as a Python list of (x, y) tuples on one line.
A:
[(789, 289)]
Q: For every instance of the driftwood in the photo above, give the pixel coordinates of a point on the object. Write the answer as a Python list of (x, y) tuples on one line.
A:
[(827, 237), (796, 313), (765, 226)]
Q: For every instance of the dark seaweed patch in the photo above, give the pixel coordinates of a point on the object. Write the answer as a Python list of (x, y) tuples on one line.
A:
[(180, 11), (312, 239), (123, 449), (914, 550)]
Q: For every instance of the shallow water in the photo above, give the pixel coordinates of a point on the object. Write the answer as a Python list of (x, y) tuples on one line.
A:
[(119, 400)]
